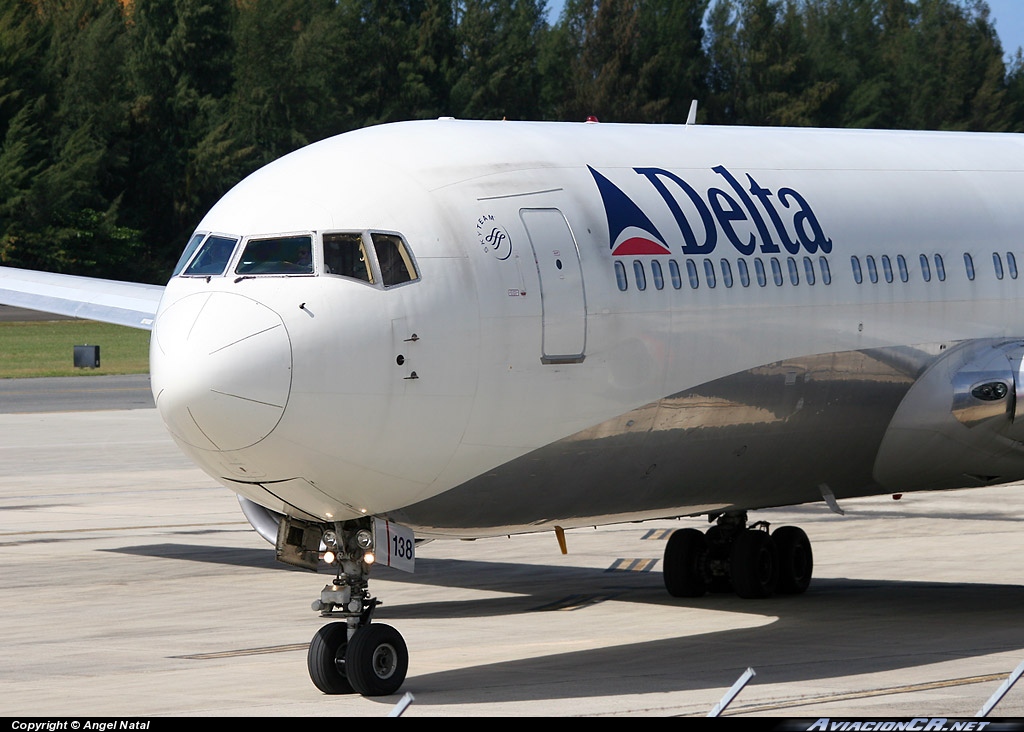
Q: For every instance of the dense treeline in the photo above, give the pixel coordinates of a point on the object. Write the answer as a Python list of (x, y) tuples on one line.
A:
[(121, 122)]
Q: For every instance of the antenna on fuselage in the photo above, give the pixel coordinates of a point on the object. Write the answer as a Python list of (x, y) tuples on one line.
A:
[(691, 118)]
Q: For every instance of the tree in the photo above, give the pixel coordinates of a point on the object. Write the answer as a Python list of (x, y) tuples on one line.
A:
[(497, 74)]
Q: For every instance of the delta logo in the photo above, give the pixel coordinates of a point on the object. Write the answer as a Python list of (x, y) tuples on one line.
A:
[(749, 216)]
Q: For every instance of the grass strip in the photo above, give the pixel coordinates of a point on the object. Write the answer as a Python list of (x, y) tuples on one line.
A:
[(46, 348)]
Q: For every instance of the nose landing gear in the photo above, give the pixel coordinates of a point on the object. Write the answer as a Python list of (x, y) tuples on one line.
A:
[(350, 655)]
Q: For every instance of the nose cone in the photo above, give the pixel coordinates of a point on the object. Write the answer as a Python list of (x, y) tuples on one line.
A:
[(221, 368)]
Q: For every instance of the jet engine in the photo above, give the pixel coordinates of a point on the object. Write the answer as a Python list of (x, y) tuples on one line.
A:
[(961, 424)]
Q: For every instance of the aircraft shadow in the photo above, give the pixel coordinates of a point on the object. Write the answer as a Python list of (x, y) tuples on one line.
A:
[(840, 627), (256, 558)]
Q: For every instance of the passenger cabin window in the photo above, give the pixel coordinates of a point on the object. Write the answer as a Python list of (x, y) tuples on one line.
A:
[(1011, 264), (691, 274), (345, 255), (794, 273), (887, 268), (213, 257), (396, 265), (872, 269), (762, 278), (673, 268), (969, 265), (709, 273), (808, 270), (656, 273), (997, 262), (741, 265), (926, 270), (282, 255), (638, 273), (940, 268), (620, 276)]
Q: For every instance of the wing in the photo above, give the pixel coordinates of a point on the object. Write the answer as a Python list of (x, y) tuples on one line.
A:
[(108, 301)]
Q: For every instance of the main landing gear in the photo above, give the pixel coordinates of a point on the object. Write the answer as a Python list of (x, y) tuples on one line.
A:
[(731, 556), (352, 655)]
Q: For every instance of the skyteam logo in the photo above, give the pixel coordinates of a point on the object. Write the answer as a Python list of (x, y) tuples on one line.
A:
[(749, 216), (629, 229)]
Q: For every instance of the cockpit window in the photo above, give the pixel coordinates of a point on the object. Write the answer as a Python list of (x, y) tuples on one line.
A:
[(278, 256), (193, 244), (396, 265), (345, 255), (213, 256)]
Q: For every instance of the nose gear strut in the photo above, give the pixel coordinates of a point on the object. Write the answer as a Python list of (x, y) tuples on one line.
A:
[(349, 655)]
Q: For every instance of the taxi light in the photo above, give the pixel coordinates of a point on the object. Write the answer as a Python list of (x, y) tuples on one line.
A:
[(329, 557), (369, 558)]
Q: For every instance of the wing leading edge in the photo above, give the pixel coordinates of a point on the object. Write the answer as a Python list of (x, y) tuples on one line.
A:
[(108, 301)]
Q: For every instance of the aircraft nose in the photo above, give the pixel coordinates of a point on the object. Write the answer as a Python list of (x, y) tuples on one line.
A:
[(221, 369)]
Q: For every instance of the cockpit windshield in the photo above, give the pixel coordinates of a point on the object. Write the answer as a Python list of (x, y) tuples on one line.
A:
[(395, 263), (279, 255), (213, 256), (376, 258), (186, 255)]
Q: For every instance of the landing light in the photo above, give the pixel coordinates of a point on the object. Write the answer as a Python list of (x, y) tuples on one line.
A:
[(369, 558), (329, 557), (364, 538), (330, 540)]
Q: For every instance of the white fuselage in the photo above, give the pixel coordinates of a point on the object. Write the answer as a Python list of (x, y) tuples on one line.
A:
[(538, 370)]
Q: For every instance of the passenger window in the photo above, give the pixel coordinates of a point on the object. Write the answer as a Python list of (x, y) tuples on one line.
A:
[(277, 256), (620, 276), (673, 269), (776, 272), (741, 265), (709, 273), (872, 269), (858, 274), (969, 265), (345, 255), (726, 273), (638, 272), (901, 262), (659, 278), (1011, 264), (940, 268), (997, 262), (762, 278), (926, 270), (809, 270), (213, 256), (691, 273), (887, 268), (794, 272), (396, 265), (826, 272)]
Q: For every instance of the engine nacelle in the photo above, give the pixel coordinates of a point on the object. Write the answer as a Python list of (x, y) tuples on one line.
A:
[(961, 424)]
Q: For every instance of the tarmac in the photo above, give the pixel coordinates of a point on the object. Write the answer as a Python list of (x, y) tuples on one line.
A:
[(132, 586)]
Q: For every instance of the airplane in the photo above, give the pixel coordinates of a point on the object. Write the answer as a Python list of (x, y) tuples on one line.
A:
[(461, 329)]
